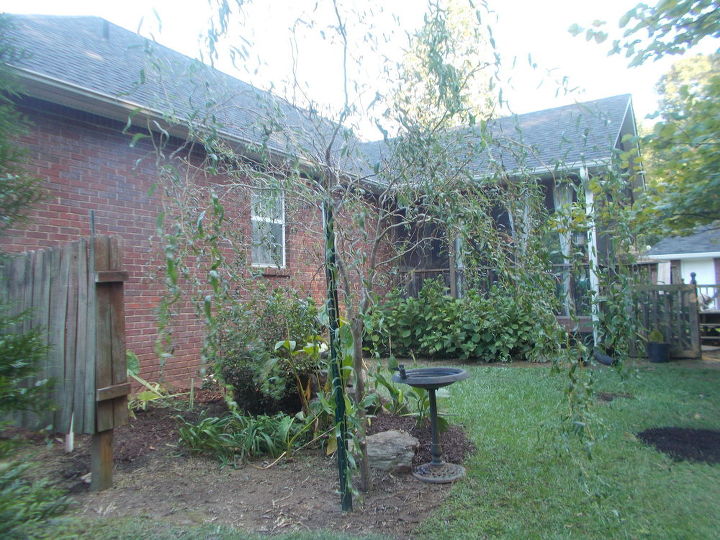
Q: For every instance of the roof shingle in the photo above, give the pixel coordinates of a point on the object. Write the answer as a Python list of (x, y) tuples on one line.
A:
[(105, 60)]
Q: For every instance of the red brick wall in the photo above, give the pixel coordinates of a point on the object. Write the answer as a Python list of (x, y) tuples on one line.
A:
[(88, 164)]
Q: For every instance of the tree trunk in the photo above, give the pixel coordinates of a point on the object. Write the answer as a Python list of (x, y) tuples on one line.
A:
[(356, 328)]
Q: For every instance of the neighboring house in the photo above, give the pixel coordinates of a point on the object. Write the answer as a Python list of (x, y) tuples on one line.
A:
[(84, 77), (680, 257)]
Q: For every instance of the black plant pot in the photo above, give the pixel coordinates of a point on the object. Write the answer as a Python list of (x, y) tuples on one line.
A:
[(658, 352)]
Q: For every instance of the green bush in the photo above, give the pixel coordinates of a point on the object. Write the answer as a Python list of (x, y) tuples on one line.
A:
[(284, 315), (22, 503), (245, 355), (19, 356), (256, 391), (501, 326)]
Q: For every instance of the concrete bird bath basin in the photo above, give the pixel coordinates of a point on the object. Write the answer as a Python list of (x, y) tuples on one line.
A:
[(437, 471)]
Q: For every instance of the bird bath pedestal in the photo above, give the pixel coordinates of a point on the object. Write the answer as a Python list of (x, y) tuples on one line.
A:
[(437, 471)]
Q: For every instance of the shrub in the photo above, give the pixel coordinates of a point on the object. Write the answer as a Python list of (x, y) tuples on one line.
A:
[(19, 356), (22, 503), (253, 391), (284, 315), (501, 326), (244, 349)]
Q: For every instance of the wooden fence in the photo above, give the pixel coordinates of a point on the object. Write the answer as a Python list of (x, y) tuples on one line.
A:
[(74, 297), (673, 310)]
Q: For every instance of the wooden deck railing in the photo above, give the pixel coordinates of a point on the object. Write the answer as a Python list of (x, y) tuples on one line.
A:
[(708, 297)]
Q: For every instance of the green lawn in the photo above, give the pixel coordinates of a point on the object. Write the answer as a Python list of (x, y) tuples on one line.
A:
[(523, 481), (142, 528)]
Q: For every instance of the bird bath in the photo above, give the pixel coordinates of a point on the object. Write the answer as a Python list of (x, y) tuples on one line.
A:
[(437, 471)]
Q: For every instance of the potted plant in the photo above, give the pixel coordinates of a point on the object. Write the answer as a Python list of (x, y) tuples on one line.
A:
[(658, 349)]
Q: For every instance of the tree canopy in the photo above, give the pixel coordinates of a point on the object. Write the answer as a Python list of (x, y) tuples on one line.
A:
[(449, 69), (672, 27), (651, 32), (684, 147), (680, 152), (18, 189)]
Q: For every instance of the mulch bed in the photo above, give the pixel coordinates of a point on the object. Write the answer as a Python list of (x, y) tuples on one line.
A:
[(154, 478), (685, 444), (155, 429), (454, 442)]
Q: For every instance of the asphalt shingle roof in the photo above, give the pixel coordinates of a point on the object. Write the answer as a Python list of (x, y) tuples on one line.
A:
[(578, 133), (706, 240), (547, 140), (103, 59), (94, 55)]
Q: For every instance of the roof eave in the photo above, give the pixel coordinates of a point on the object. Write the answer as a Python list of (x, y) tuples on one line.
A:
[(76, 97), (552, 171)]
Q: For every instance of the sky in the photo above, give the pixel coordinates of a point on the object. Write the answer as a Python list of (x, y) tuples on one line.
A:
[(520, 27)]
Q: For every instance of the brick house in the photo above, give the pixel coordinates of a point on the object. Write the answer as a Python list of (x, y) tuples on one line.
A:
[(81, 82), (83, 79)]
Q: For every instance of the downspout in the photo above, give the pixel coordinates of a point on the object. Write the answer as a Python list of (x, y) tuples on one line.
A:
[(592, 252)]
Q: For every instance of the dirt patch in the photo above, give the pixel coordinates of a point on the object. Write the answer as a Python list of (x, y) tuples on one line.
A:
[(154, 478), (685, 444)]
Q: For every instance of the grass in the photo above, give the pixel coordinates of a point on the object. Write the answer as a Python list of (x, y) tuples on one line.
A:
[(146, 528), (531, 479)]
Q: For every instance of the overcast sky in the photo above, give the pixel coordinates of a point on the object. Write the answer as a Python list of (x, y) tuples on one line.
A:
[(523, 27)]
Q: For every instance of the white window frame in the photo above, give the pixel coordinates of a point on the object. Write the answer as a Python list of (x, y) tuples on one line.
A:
[(275, 221)]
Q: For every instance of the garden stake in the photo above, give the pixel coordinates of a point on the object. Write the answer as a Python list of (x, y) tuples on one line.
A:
[(192, 393), (332, 308)]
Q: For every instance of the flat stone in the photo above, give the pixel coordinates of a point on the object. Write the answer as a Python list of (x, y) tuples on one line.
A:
[(391, 451)]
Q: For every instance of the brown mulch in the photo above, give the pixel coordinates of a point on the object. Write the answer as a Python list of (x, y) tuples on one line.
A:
[(685, 444), (455, 444)]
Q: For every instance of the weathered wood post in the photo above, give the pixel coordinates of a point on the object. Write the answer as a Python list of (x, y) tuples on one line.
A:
[(111, 386)]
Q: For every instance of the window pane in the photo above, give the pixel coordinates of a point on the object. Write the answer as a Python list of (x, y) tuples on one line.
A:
[(267, 205), (267, 243)]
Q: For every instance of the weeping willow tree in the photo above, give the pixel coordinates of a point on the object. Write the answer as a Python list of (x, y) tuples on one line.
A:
[(307, 157), (300, 167)]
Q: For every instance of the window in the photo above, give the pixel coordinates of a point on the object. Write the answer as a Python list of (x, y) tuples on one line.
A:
[(267, 212)]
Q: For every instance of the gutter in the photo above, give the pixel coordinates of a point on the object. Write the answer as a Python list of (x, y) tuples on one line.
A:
[(76, 97), (54, 90), (676, 256), (546, 170)]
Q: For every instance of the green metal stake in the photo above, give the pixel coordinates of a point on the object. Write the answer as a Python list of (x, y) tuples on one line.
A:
[(333, 323)]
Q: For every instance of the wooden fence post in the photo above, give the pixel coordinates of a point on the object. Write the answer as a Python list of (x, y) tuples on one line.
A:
[(111, 386)]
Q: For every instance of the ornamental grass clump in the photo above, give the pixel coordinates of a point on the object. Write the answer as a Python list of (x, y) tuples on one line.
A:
[(238, 437)]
